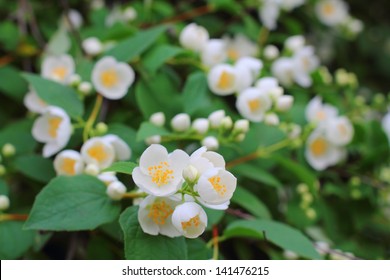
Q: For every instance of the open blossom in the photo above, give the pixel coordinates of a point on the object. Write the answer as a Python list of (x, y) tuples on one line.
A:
[(58, 68), (214, 52), (253, 103), (284, 70), (222, 79), (247, 70), (68, 162), (111, 78), (155, 215), (122, 150), (160, 173), (34, 103), (332, 12), (194, 37), (339, 131), (239, 46), (269, 13), (98, 151), (317, 112), (305, 62), (189, 219), (54, 129)]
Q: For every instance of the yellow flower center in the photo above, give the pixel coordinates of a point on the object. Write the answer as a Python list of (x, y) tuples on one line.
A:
[(342, 129), (68, 166), (109, 78), (193, 222), (233, 54), (254, 105), (218, 187), (328, 9), (54, 124), (318, 147), (321, 115), (97, 152), (226, 80), (161, 174), (59, 72), (159, 212)]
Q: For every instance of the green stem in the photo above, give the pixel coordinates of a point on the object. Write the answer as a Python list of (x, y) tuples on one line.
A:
[(92, 118), (133, 195)]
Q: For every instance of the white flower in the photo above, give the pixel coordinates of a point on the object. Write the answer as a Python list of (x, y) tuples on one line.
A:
[(247, 70), (339, 131), (52, 128), (215, 118), (58, 68), (318, 112), (253, 103), (75, 19), (92, 46), (181, 122), (289, 5), (98, 151), (34, 103), (160, 173), (85, 88), (157, 119), (194, 37), (222, 79), (4, 202), (320, 152), (154, 139), (386, 125), (332, 12), (270, 52), (129, 14), (92, 169), (284, 103), (201, 160), (201, 125), (189, 219), (269, 13), (295, 43), (305, 62), (111, 78), (214, 52), (216, 186), (211, 143), (116, 190), (107, 178), (271, 119), (241, 126), (122, 150), (68, 162), (284, 70), (270, 86), (155, 216), (239, 46)]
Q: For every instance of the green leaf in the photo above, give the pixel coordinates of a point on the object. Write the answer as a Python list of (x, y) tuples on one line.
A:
[(250, 202), (136, 45), (14, 240), (257, 174), (197, 250), (122, 167), (4, 190), (59, 43), (12, 84), (142, 246), (35, 167), (213, 217), (56, 94), (9, 35), (156, 57), (280, 234), (195, 93), (148, 129), (19, 135), (72, 203)]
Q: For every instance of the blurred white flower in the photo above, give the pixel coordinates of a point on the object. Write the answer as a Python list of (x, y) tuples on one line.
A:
[(129, 14), (68, 162), (222, 79), (107, 178), (154, 139), (75, 18), (4, 202), (295, 43), (189, 219), (181, 122), (253, 103), (92, 46), (270, 52), (58, 68), (85, 88), (239, 46), (284, 70), (215, 118), (269, 13), (332, 12), (284, 103), (386, 125), (214, 52), (241, 125), (116, 190), (271, 119), (194, 37), (157, 119), (247, 69), (318, 112), (34, 103), (339, 131)]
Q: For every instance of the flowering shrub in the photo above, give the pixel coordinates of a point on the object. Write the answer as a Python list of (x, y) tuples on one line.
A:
[(161, 130)]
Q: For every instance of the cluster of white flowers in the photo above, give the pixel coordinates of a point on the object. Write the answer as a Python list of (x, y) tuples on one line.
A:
[(203, 128), (177, 185), (298, 66), (326, 144), (269, 10)]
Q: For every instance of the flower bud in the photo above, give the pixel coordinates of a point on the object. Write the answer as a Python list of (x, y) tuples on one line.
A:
[(85, 88), (342, 77), (284, 103), (271, 119), (307, 197), (116, 190), (270, 52), (8, 150), (92, 169), (101, 128), (227, 122), (215, 118), (92, 46), (158, 119), (211, 143), (295, 43), (4, 202), (181, 122), (201, 125), (302, 188), (241, 126), (240, 137), (129, 14), (194, 37), (276, 92), (155, 139), (74, 80), (311, 213), (190, 174)]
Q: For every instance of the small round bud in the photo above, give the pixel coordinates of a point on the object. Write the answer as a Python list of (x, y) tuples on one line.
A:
[(307, 197), (227, 122), (201, 125), (74, 80), (240, 137), (352, 79), (241, 126), (302, 188), (271, 119), (284, 103), (355, 181), (158, 119), (8, 150), (2, 170), (271, 52), (215, 118), (4, 202), (155, 139), (379, 99), (360, 100), (181, 122), (92, 169), (211, 143), (116, 190), (311, 213), (325, 75), (276, 92), (129, 14), (356, 194), (101, 128), (295, 43), (92, 46), (342, 77), (85, 88), (190, 174)]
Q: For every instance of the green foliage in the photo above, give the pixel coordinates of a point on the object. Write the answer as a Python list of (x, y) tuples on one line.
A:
[(156, 57), (250, 202), (19, 134), (195, 93), (14, 240), (35, 167), (13, 85), (125, 167), (148, 129)]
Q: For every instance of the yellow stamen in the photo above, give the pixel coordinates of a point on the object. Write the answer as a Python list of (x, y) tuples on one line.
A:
[(233, 54), (109, 78), (60, 72), (159, 212), (161, 174), (218, 187), (342, 129), (321, 115), (318, 147), (193, 222), (226, 80), (328, 9), (54, 124), (254, 105), (68, 165), (97, 152)]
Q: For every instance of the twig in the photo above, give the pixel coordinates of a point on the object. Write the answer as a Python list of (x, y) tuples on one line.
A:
[(34, 25)]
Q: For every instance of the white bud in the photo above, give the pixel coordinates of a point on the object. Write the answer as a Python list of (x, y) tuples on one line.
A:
[(271, 119), (284, 103), (4, 202), (211, 143), (129, 14), (92, 46), (194, 37), (271, 52), (190, 174), (240, 137), (157, 119), (116, 190), (155, 139), (215, 118), (241, 125), (201, 125), (227, 122), (8, 150), (295, 43), (181, 122), (276, 92), (85, 88), (74, 79), (92, 169)]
